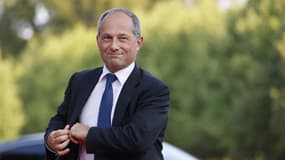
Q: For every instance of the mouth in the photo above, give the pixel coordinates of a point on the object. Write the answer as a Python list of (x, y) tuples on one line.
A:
[(115, 54)]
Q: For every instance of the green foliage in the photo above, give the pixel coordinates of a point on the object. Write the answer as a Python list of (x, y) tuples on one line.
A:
[(18, 16), (225, 70), (221, 73), (12, 116), (188, 56), (13, 16), (45, 69), (257, 61)]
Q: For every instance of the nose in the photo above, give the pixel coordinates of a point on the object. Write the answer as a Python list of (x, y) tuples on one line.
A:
[(114, 45)]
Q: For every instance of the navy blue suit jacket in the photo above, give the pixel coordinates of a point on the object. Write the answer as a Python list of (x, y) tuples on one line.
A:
[(139, 120)]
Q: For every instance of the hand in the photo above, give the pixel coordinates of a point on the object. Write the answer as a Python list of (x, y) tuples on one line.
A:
[(58, 141), (78, 133)]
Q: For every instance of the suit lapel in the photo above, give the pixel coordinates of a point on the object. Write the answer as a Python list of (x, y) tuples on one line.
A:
[(126, 95), (84, 91)]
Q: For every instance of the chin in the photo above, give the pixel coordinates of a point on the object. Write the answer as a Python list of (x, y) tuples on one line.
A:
[(115, 68)]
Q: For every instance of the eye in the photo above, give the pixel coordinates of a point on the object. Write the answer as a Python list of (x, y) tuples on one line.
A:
[(106, 38), (123, 38)]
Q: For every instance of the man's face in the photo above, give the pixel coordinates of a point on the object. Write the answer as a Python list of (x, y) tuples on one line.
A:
[(117, 43)]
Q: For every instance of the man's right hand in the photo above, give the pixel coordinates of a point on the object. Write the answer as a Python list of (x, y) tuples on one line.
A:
[(58, 140)]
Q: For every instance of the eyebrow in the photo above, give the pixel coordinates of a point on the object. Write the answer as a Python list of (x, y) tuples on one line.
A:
[(119, 35)]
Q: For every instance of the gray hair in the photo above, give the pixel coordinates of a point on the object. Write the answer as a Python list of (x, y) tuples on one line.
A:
[(135, 20)]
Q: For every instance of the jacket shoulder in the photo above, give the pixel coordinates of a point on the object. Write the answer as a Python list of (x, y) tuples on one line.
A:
[(150, 78), (86, 74)]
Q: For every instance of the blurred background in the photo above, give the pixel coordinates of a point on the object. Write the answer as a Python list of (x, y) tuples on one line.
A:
[(222, 59)]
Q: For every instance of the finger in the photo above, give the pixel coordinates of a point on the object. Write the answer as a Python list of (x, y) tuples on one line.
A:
[(53, 134), (73, 139), (58, 133), (52, 137), (61, 138), (63, 152), (63, 144), (74, 126), (67, 127)]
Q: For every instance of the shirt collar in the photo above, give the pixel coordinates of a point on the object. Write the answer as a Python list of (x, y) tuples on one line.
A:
[(122, 75)]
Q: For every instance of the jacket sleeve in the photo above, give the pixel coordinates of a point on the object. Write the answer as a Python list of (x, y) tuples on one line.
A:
[(58, 121)]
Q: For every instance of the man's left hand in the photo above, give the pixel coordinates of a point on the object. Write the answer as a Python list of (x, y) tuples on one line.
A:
[(78, 133)]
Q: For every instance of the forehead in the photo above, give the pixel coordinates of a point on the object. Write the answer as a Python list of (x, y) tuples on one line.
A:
[(117, 22)]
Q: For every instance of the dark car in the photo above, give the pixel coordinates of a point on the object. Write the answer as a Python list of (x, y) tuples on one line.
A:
[(31, 147)]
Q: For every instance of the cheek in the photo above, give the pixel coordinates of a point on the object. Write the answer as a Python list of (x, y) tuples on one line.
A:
[(129, 47), (104, 47)]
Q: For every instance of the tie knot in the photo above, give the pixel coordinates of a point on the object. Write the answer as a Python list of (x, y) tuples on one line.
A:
[(111, 77)]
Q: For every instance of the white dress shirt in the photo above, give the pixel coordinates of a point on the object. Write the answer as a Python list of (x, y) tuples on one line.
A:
[(90, 111)]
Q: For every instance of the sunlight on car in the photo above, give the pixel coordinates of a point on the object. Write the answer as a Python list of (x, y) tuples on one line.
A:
[(171, 152)]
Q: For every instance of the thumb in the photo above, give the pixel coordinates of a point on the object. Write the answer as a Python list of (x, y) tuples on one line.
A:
[(66, 127)]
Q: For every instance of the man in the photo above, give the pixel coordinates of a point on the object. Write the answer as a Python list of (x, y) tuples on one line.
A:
[(127, 125)]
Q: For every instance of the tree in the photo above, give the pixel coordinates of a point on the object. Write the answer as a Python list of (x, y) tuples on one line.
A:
[(188, 54), (15, 17), (18, 22), (45, 68), (225, 71), (12, 116), (254, 32)]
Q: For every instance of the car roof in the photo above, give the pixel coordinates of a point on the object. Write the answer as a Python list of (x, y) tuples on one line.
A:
[(33, 144), (22, 142)]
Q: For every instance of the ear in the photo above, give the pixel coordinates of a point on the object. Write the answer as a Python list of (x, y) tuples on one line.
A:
[(139, 43), (97, 39)]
